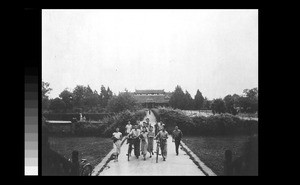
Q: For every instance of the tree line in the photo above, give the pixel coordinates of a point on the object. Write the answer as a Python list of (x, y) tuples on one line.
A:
[(84, 99), (81, 99), (245, 103)]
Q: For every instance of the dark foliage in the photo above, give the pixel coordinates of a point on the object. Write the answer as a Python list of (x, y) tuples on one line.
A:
[(222, 124), (70, 116)]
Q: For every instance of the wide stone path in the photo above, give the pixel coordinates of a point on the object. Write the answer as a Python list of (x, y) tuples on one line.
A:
[(174, 165)]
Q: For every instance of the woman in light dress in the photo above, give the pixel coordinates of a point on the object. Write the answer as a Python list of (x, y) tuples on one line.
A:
[(151, 136), (117, 137), (144, 141)]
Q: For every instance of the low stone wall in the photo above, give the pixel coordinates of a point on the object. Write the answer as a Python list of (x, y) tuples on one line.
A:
[(60, 127)]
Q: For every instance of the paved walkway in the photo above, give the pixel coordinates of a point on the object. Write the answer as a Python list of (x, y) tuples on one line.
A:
[(174, 165)]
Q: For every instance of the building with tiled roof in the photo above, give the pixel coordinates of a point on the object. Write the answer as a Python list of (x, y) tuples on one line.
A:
[(152, 98)]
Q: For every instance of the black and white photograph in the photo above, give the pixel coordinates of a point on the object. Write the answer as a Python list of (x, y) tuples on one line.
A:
[(149, 92)]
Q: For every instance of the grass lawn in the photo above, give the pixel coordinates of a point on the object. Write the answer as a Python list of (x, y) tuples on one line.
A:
[(94, 149), (211, 150)]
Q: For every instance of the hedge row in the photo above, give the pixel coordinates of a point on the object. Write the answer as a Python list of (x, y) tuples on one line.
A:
[(89, 128), (156, 113), (107, 125), (120, 120), (70, 116), (223, 124), (213, 125)]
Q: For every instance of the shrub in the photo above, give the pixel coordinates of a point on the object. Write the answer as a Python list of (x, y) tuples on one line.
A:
[(224, 124), (95, 116), (107, 125), (70, 116), (122, 102), (171, 118), (89, 128), (156, 114), (121, 119), (221, 124), (138, 115)]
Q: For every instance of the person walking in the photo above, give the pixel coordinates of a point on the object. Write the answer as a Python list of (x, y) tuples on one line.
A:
[(144, 141), (161, 126), (151, 136), (148, 123), (130, 142), (128, 128), (156, 126), (142, 127), (141, 124), (135, 133), (145, 125), (117, 137), (177, 136), (163, 136)]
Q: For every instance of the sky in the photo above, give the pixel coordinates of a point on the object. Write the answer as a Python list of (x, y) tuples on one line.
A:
[(215, 51)]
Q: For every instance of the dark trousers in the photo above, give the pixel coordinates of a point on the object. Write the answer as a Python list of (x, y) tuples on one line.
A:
[(163, 149), (177, 142), (137, 147), (130, 144)]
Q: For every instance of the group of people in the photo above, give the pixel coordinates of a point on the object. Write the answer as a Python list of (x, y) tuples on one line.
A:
[(141, 137)]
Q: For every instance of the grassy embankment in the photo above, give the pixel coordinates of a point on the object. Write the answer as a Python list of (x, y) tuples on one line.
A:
[(94, 149)]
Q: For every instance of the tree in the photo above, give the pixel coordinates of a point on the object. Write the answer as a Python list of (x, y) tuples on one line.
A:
[(85, 98), (67, 98), (45, 91), (124, 101), (249, 101), (78, 96), (57, 105), (236, 103), (252, 93), (198, 100), (189, 102), (177, 100), (109, 93), (218, 106), (235, 98), (207, 103), (89, 98), (229, 104), (103, 96)]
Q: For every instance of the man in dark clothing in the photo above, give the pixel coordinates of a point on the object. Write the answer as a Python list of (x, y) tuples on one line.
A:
[(177, 135), (156, 128)]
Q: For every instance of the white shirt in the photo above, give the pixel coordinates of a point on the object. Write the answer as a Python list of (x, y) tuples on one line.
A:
[(136, 132), (117, 135), (159, 126), (128, 128), (141, 124)]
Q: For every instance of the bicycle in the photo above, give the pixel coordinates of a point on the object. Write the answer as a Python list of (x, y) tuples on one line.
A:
[(84, 167), (162, 144), (130, 147), (157, 150)]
